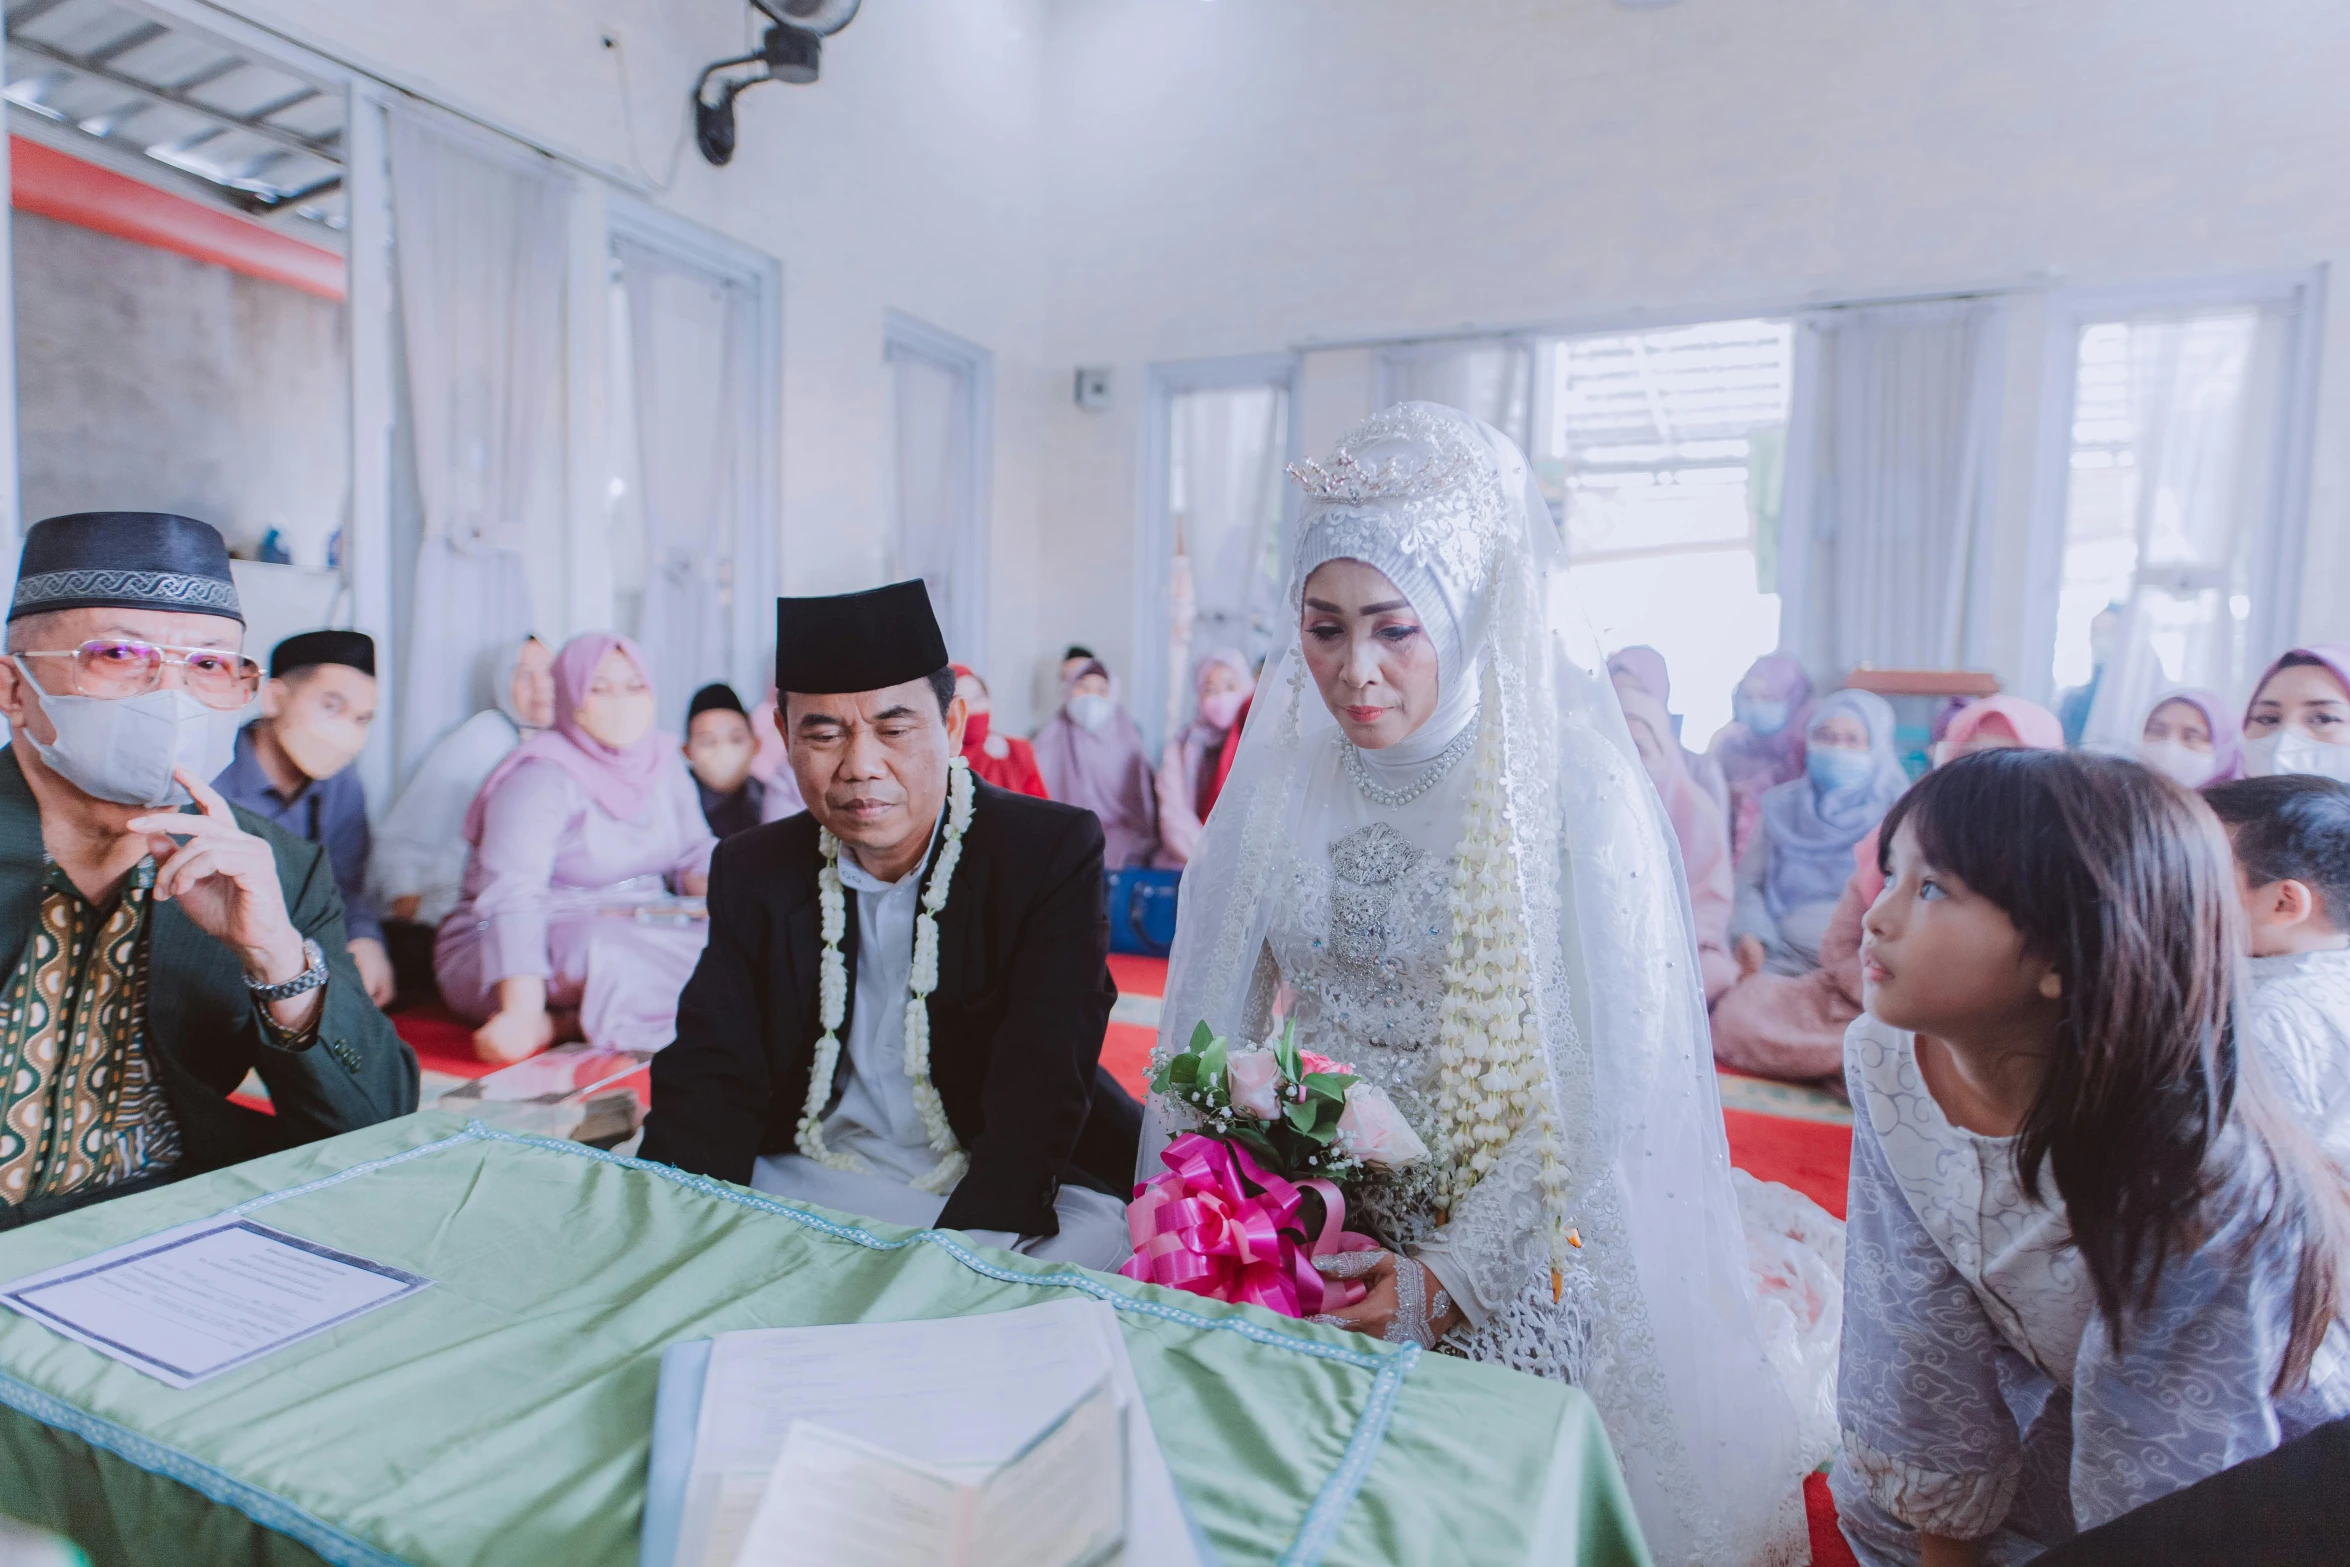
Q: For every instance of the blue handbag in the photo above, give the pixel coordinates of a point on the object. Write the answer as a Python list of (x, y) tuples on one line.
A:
[(1142, 910)]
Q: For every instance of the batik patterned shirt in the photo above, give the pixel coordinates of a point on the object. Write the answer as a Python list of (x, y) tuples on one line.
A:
[(80, 1105)]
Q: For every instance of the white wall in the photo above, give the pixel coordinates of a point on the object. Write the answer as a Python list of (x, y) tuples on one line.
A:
[(1231, 178), (149, 381), (910, 177)]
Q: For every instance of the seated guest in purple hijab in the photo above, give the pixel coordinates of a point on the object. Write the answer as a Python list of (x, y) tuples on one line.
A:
[(900, 1011), (1091, 755), (581, 828)]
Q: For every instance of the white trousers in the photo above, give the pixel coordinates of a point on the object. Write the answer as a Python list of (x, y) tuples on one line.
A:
[(1093, 1224)]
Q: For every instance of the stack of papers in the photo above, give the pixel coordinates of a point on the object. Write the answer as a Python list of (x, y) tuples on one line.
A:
[(875, 1442), (581, 1092), (206, 1298)]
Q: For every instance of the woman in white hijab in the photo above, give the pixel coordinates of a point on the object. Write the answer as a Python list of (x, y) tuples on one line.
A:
[(1439, 848), (419, 857)]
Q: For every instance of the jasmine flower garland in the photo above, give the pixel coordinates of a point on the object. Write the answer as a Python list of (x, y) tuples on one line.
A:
[(832, 988)]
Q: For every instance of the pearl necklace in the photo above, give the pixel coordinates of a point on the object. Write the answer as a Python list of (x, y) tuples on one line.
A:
[(833, 999), (1380, 794)]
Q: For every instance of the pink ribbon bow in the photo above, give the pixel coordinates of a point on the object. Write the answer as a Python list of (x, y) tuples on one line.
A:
[(1201, 1228)]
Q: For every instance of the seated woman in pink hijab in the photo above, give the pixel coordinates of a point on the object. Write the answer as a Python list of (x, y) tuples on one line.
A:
[(1643, 667), (1792, 1026), (1704, 836), (580, 828), (2191, 738), (1191, 770)]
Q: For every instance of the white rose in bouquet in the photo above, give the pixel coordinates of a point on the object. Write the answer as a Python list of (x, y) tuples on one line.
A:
[(1374, 1130), (1251, 1079)]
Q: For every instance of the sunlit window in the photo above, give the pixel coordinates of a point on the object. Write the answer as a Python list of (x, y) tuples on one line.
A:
[(1661, 453)]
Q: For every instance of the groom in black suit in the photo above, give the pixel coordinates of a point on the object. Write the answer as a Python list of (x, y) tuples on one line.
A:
[(1042, 1140)]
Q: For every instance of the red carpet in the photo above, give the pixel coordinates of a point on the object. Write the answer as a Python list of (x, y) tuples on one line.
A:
[(1814, 1157)]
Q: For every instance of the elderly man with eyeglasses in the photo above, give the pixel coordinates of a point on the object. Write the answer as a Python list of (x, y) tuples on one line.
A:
[(157, 942)]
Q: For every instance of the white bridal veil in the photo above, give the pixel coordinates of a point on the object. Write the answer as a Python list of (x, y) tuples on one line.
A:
[(1658, 1321)]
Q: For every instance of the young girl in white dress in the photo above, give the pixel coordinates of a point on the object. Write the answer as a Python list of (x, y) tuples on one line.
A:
[(2089, 1262)]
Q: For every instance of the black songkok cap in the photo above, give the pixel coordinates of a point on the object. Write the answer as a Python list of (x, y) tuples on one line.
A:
[(717, 697), (356, 649), (1077, 650), (124, 560), (857, 641)]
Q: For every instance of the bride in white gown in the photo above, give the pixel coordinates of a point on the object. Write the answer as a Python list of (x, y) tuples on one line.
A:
[(1439, 854)]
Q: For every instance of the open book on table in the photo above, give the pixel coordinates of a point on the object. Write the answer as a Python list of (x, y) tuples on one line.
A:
[(835, 1501), (961, 1397)]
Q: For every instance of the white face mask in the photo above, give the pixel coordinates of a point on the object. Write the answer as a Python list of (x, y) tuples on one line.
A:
[(124, 748), (2188, 768), (1091, 710), (2291, 751)]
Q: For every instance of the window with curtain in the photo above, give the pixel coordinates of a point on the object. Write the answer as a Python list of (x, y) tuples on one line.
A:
[(1489, 378), (938, 390), (1227, 448), (1661, 454), (688, 523), (2176, 420)]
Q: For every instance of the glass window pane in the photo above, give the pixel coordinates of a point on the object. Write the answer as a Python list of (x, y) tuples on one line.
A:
[(2166, 412), (1226, 451), (1661, 454)]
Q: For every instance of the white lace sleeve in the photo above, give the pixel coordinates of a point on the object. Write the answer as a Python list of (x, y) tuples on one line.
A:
[(1494, 1250), (1918, 1388)]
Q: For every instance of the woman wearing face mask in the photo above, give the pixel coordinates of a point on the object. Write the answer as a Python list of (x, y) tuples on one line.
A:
[(418, 865), (583, 820), (2299, 717), (1801, 854), (1090, 754), (2187, 738), (1792, 1027), (1192, 772), (1698, 826), (1005, 760), (1762, 747)]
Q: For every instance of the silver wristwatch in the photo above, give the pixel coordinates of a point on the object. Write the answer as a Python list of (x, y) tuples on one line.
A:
[(308, 980)]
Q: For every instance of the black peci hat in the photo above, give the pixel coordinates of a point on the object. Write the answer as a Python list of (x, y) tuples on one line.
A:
[(124, 560), (716, 697), (857, 641), (354, 649)]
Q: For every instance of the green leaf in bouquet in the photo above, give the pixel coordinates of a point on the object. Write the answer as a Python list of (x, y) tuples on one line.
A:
[(1330, 1086), (1211, 1065), (1260, 1148), (1303, 1116), (1285, 1052), (1201, 1037)]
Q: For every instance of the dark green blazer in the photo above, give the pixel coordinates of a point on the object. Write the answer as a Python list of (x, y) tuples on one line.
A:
[(204, 1031)]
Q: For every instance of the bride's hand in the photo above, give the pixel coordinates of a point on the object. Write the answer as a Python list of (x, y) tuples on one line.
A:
[(1375, 1314)]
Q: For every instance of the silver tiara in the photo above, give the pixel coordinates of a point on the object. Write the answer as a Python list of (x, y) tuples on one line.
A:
[(1351, 482)]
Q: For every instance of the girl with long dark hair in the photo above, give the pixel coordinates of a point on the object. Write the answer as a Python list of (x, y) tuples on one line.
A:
[(2087, 1263)]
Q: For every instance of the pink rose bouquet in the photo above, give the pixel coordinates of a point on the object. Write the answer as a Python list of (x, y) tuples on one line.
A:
[(1253, 1193)]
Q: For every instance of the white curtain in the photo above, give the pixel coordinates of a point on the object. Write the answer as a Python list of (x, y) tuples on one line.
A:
[(690, 342), (933, 480), (1227, 449), (2204, 404), (1488, 378), (1888, 487), (479, 233)]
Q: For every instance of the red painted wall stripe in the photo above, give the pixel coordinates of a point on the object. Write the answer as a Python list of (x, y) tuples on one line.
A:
[(55, 185)]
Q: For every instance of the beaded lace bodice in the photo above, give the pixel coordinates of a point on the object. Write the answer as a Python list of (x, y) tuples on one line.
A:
[(1359, 937)]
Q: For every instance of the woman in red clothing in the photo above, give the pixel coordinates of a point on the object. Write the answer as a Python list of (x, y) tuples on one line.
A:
[(1007, 761)]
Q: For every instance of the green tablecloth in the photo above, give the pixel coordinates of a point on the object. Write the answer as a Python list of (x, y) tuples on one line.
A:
[(503, 1415)]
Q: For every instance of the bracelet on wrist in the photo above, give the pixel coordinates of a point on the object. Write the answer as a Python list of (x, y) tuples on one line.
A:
[(312, 976)]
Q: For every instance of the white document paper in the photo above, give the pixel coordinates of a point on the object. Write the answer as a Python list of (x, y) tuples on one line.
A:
[(206, 1298), (955, 1392), (834, 1501)]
